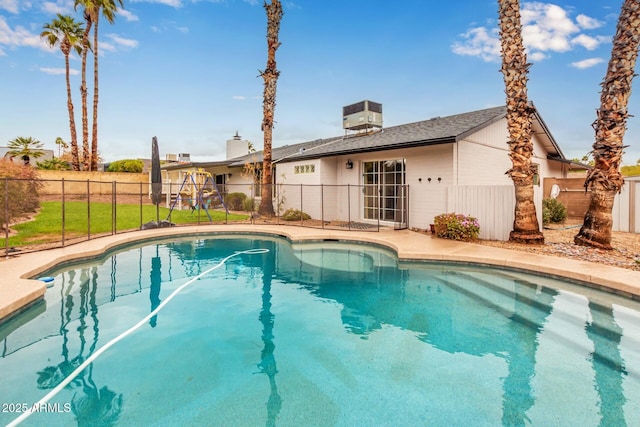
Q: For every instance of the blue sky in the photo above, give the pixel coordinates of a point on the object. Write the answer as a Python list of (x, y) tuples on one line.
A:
[(186, 71)]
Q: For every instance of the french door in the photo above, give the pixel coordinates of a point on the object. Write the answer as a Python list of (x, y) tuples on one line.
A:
[(384, 190)]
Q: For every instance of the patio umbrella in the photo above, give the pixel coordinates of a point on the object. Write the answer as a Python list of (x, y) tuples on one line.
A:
[(156, 177)]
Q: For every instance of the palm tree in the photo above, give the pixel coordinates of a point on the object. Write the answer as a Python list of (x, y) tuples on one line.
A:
[(67, 33), (62, 146), (92, 10), (514, 68), (86, 46), (108, 8), (605, 179), (270, 76), (25, 148)]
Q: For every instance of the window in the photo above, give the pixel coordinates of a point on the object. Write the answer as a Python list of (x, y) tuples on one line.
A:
[(304, 169)]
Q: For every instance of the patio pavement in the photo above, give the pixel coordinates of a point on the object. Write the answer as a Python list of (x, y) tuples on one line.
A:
[(17, 292)]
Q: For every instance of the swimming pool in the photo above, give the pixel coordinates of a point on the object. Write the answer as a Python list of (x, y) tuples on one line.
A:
[(325, 333)]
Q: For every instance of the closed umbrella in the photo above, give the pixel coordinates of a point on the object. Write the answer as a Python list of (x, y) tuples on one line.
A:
[(156, 177)]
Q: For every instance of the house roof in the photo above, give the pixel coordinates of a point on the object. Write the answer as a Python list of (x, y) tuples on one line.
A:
[(438, 130)]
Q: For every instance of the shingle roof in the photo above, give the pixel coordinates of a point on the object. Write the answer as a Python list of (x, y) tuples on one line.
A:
[(437, 130)]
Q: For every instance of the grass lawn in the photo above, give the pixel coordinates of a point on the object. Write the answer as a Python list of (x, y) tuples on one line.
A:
[(47, 225)]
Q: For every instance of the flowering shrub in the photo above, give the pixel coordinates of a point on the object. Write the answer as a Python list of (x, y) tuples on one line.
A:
[(456, 227)]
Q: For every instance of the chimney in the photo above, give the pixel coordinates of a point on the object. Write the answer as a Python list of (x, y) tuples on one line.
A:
[(237, 147)]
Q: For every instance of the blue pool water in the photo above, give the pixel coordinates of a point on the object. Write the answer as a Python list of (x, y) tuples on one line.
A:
[(315, 334)]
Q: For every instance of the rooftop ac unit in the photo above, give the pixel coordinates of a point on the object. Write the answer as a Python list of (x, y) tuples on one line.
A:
[(184, 157), (172, 157), (362, 115)]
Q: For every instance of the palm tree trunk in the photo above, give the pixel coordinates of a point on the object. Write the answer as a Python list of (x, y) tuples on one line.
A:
[(605, 179), (94, 134), (270, 76), (514, 68), (83, 92), (75, 163)]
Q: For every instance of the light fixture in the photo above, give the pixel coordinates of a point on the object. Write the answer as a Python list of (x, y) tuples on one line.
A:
[(439, 179), (429, 179), (349, 164), (229, 174)]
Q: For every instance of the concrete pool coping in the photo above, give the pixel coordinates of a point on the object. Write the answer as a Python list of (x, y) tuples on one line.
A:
[(18, 292)]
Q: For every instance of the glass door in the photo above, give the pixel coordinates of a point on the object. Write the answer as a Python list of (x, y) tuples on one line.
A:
[(384, 190)]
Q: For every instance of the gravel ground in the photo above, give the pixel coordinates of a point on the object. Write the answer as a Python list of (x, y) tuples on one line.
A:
[(559, 242)]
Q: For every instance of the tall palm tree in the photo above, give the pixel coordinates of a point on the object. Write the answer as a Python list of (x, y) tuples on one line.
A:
[(270, 76), (88, 5), (514, 69), (65, 32), (62, 145), (25, 148), (108, 9), (605, 179)]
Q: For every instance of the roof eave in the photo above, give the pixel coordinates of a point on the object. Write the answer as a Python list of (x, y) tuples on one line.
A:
[(412, 144)]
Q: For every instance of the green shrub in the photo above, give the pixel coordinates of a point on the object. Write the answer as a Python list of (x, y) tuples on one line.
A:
[(235, 201), (249, 204), (129, 165), (54, 164), (553, 211), (456, 227), (294, 215), (22, 188)]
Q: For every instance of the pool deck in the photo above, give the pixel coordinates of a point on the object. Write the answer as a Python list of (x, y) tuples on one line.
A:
[(17, 292)]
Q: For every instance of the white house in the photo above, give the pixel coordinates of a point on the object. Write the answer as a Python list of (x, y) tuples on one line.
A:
[(401, 175)]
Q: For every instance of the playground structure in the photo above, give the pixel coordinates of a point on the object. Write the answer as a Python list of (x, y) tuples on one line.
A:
[(198, 191)]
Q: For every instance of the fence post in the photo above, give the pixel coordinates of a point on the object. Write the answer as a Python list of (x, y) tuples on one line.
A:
[(278, 186), (141, 207), (349, 206), (322, 204), (88, 211), (113, 208), (63, 214), (408, 201), (6, 216)]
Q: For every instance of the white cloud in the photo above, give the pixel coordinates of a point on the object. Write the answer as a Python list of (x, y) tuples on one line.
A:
[(546, 28), (479, 42), (169, 26), (130, 17), (9, 5), (588, 23), (106, 47), (587, 63), (172, 3), (58, 6), (588, 42), (56, 71), (536, 56), (121, 41), (19, 36), (180, 3), (239, 97)]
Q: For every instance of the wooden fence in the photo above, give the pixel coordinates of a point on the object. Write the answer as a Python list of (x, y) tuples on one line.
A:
[(626, 208)]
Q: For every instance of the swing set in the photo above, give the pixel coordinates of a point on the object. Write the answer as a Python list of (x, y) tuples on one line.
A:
[(199, 191)]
